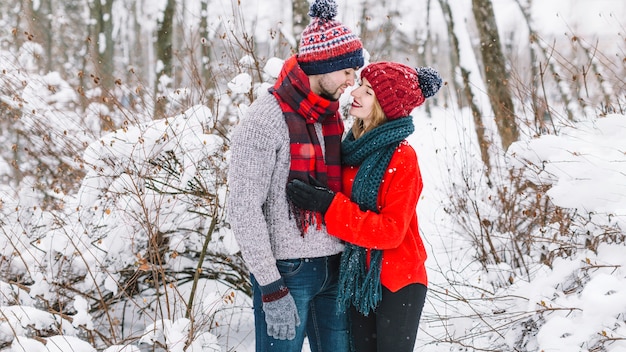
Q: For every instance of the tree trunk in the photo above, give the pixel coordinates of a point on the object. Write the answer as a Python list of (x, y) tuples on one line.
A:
[(164, 55), (464, 89), (208, 80), (421, 48), (40, 27), (301, 17), (455, 61), (495, 73), (102, 50)]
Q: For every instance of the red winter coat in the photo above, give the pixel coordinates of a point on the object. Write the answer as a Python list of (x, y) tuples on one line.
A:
[(394, 229)]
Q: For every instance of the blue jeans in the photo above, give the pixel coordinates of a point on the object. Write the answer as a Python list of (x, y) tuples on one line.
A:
[(313, 284)]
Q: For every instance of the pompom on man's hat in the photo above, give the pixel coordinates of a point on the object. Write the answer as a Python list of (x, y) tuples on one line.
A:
[(326, 45), (400, 88)]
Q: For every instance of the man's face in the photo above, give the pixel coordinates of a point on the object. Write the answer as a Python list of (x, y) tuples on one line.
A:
[(332, 85)]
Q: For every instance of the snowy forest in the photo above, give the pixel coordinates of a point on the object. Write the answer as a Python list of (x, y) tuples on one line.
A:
[(115, 117)]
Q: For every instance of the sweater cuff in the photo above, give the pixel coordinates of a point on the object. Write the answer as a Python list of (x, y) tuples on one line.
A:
[(274, 291)]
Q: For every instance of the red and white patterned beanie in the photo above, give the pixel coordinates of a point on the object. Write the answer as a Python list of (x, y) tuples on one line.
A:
[(326, 45)]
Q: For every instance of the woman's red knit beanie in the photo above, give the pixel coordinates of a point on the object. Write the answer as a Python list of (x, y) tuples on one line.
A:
[(400, 88)]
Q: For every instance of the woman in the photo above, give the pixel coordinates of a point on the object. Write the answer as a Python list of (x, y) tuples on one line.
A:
[(383, 277)]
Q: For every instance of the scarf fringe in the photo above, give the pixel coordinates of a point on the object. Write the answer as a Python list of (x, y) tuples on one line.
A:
[(357, 285), (305, 218)]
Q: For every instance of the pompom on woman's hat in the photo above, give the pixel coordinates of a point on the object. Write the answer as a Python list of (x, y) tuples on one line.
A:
[(400, 88), (326, 45)]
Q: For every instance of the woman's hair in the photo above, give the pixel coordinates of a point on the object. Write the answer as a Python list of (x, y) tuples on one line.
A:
[(378, 118)]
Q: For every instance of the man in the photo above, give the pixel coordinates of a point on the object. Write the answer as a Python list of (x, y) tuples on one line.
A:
[(294, 133)]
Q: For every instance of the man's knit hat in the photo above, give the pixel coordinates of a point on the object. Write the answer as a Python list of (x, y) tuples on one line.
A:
[(327, 45), (400, 88)]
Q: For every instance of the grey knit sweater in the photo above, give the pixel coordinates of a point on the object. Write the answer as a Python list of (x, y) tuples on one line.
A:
[(257, 205)]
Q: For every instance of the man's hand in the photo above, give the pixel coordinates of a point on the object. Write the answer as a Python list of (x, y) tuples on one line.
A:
[(281, 314)]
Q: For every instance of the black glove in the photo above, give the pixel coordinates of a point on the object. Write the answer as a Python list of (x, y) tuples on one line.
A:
[(315, 197)]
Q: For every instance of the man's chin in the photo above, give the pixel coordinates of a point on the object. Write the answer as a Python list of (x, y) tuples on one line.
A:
[(330, 97)]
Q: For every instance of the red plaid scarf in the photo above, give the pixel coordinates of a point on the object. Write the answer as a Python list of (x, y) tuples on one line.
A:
[(302, 109)]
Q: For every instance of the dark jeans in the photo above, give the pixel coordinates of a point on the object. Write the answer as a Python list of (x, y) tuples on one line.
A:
[(313, 284), (393, 326)]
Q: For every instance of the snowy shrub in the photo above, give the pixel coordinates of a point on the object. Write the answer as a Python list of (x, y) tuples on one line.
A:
[(107, 238)]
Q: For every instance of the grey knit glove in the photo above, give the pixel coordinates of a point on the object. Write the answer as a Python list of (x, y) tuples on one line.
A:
[(280, 310)]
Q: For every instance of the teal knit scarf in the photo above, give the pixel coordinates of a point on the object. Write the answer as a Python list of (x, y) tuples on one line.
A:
[(371, 153)]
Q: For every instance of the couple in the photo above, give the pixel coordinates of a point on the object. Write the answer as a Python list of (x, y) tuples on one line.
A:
[(328, 227)]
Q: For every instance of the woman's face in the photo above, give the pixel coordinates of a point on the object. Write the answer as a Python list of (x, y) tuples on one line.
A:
[(363, 102)]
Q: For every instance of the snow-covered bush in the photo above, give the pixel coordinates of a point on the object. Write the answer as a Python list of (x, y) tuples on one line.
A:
[(113, 238)]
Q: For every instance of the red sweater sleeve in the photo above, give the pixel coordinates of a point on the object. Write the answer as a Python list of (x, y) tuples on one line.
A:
[(397, 201)]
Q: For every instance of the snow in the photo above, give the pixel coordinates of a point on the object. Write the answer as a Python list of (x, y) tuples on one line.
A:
[(571, 305), (54, 344), (589, 160)]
